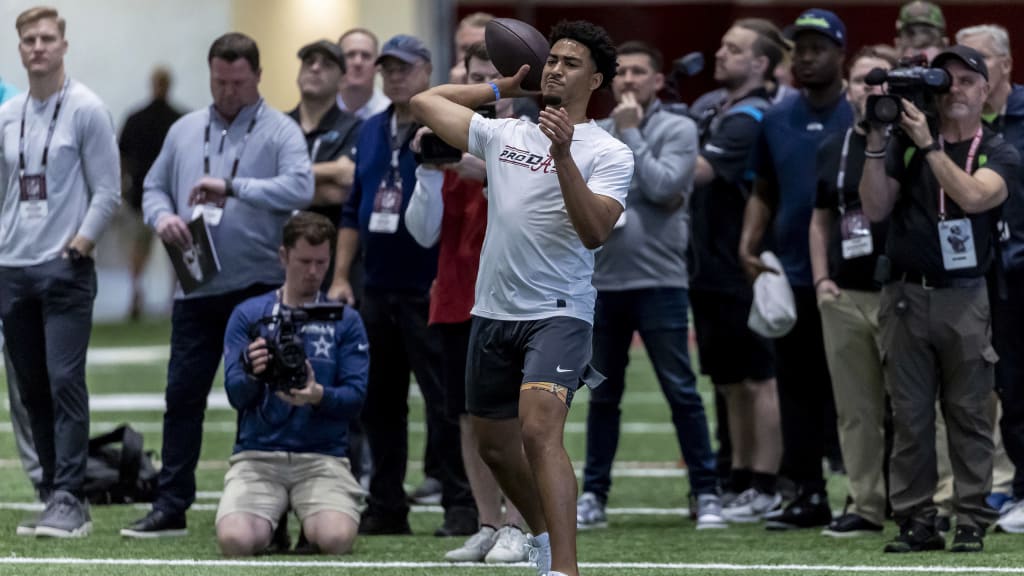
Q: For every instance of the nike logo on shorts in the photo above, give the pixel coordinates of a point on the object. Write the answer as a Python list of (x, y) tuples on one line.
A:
[(560, 370)]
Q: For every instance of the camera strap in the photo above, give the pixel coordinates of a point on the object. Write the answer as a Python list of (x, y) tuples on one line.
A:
[(841, 177), (975, 143)]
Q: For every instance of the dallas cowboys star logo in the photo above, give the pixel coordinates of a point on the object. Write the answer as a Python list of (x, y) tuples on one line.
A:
[(323, 347)]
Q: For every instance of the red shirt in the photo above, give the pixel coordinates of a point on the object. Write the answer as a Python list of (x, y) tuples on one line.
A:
[(462, 235)]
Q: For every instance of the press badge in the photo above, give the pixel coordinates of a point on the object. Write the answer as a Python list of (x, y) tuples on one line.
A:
[(32, 203), (387, 207), (856, 234), (956, 237), (211, 213)]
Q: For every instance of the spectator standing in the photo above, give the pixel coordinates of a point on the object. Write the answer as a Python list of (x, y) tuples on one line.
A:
[(356, 93), (60, 191), (243, 166)]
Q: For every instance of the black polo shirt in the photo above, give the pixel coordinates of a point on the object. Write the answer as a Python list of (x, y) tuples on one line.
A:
[(855, 273), (716, 209), (913, 243), (335, 136)]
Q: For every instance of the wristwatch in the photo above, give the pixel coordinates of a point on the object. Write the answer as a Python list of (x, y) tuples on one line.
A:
[(229, 189), (933, 147)]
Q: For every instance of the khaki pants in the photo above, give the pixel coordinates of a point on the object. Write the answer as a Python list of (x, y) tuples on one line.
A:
[(936, 343), (850, 327)]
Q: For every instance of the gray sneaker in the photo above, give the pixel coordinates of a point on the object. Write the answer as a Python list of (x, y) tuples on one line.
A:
[(590, 512), (540, 556), (65, 516), (476, 548), (28, 527), (511, 546), (750, 506), (709, 512)]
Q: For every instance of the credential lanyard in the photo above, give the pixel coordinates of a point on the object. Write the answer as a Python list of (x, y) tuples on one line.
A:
[(967, 168), (223, 135), (841, 177), (49, 133), (396, 145)]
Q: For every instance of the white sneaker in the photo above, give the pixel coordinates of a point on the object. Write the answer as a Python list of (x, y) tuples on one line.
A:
[(709, 512), (510, 546), (475, 548), (1012, 520), (590, 512), (750, 506), (540, 556)]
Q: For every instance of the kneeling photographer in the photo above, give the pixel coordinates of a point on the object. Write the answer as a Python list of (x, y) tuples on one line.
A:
[(295, 369), (943, 188)]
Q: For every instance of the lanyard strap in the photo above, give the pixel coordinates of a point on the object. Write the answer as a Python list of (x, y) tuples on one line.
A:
[(967, 168), (223, 135), (841, 177), (396, 143), (49, 133)]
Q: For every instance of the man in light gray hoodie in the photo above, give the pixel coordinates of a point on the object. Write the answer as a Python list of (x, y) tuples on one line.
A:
[(641, 280), (60, 188)]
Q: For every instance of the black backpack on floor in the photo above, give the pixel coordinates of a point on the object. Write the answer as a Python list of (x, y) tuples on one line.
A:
[(119, 474)]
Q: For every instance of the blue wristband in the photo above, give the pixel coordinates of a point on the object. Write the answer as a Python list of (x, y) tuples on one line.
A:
[(497, 93)]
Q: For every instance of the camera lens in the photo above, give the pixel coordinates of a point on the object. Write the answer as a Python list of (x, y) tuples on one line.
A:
[(886, 109)]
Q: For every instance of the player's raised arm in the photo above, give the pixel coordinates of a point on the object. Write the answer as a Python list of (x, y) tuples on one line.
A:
[(447, 109)]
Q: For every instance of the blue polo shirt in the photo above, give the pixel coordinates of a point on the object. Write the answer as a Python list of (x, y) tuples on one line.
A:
[(785, 155), (393, 261)]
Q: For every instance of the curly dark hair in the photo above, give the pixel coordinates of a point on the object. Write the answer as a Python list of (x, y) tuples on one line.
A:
[(595, 38)]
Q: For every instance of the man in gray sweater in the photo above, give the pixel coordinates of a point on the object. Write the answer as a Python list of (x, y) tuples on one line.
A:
[(244, 167), (641, 279), (61, 187)]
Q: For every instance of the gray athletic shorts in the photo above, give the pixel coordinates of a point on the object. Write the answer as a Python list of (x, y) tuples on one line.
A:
[(505, 355)]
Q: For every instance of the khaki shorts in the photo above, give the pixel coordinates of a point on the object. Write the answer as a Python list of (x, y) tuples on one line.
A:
[(266, 483)]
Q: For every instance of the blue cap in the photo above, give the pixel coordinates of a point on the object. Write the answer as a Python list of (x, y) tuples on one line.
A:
[(820, 21), (408, 49)]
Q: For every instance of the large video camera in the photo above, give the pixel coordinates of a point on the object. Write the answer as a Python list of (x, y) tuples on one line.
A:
[(917, 83), (287, 366)]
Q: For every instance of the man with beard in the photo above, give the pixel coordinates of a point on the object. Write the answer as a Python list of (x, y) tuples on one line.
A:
[(784, 193)]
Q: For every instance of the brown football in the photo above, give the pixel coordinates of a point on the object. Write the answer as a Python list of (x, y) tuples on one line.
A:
[(512, 43)]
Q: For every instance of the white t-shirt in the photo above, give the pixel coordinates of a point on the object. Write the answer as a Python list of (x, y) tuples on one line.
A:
[(533, 264)]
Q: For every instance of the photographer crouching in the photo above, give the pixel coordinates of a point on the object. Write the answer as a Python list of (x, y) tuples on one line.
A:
[(295, 369), (943, 193)]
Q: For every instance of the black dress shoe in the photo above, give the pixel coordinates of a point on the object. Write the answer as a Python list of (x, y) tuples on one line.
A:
[(459, 521), (157, 524), (378, 524)]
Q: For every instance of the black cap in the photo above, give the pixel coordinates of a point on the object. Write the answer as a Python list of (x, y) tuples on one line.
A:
[(969, 56), (329, 49)]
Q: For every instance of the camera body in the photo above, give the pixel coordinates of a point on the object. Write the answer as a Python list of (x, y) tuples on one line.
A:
[(287, 366), (434, 150), (917, 84)]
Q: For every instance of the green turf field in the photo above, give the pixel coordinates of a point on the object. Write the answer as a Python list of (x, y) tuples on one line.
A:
[(654, 540)]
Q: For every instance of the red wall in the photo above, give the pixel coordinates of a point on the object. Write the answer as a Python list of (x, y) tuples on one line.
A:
[(680, 28)]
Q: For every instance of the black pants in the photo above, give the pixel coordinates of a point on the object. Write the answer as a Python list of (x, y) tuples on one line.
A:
[(1008, 340), (47, 315), (197, 345), (400, 341), (805, 394)]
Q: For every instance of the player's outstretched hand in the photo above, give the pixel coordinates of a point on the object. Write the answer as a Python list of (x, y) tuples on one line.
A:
[(511, 86)]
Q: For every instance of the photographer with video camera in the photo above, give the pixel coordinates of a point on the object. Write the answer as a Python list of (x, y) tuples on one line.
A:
[(295, 368), (934, 311)]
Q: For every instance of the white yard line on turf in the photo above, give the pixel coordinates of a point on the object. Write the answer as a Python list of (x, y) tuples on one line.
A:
[(37, 506), (328, 564), (141, 403)]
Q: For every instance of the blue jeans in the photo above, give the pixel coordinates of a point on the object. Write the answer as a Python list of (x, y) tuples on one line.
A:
[(660, 315)]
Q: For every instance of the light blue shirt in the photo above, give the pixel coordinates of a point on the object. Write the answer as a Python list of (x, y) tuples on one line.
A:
[(274, 178)]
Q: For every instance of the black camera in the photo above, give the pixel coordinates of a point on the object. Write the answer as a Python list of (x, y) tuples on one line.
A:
[(287, 366), (917, 84), (434, 150)]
